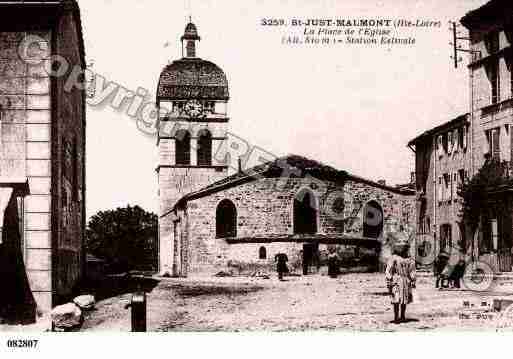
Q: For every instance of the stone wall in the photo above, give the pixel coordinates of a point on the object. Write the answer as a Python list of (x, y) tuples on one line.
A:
[(43, 140), (488, 116), (398, 209), (68, 166), (438, 204), (26, 121), (265, 209)]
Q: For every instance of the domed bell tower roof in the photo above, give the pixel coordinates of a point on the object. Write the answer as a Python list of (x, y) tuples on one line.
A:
[(192, 77)]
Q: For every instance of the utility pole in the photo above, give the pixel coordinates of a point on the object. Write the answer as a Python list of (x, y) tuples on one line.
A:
[(456, 49), (456, 46)]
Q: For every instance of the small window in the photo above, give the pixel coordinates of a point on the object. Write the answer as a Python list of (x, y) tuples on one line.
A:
[(461, 142), (461, 177), (492, 71), (509, 65), (262, 253), (226, 219), (494, 148), (456, 140), (204, 151), (492, 42), (183, 148), (490, 240), (447, 187), (445, 237)]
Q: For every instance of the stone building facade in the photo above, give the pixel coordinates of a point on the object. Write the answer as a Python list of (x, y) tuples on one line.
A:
[(244, 220), (192, 98), (442, 164), (210, 221), (42, 156), (487, 139), (491, 72)]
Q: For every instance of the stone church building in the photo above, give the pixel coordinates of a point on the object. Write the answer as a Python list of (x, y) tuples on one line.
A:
[(42, 153), (211, 221)]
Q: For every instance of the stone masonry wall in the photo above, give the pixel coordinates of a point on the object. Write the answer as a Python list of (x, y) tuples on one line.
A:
[(264, 210), (500, 116), (68, 166), (398, 209), (25, 128)]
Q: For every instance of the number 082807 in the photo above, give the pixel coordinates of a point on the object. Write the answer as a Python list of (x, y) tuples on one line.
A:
[(22, 343)]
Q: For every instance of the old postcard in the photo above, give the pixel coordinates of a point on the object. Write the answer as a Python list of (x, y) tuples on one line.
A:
[(220, 166)]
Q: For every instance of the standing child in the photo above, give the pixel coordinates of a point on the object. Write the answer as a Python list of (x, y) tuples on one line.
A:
[(400, 276)]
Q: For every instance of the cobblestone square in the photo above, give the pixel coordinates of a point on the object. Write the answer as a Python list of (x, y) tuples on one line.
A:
[(351, 302)]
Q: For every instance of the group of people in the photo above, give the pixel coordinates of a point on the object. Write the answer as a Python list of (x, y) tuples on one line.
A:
[(281, 260), (400, 275), (448, 276)]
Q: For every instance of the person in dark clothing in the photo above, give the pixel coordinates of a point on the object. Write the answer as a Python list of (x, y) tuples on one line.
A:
[(281, 259), (438, 268), (457, 273), (17, 303), (333, 269)]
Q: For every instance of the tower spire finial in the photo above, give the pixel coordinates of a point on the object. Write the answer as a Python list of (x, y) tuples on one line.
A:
[(189, 39)]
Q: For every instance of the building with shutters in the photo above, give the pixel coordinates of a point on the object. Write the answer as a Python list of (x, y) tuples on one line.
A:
[(212, 219), (490, 30), (42, 158), (442, 163), (488, 139)]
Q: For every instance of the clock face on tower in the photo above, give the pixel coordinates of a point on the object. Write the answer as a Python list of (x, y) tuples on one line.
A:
[(194, 109)]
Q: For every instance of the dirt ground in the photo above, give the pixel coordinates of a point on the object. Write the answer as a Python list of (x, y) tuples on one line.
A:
[(351, 302)]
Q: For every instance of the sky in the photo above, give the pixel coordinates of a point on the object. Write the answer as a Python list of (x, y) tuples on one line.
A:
[(353, 107)]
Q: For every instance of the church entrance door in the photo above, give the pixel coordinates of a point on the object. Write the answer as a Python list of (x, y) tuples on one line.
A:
[(310, 257)]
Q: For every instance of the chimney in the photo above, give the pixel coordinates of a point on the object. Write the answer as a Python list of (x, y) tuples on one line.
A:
[(240, 165), (382, 182)]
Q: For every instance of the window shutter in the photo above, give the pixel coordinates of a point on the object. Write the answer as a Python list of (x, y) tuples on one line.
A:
[(440, 146), (487, 145), (447, 187), (464, 137), (496, 145), (495, 234), (440, 190), (449, 143), (454, 186), (456, 140)]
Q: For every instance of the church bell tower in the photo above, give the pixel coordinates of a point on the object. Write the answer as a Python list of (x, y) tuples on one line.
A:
[(192, 98)]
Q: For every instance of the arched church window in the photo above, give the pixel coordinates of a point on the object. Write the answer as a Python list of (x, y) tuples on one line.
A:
[(372, 220), (262, 253), (183, 148), (204, 148), (226, 219), (305, 213)]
